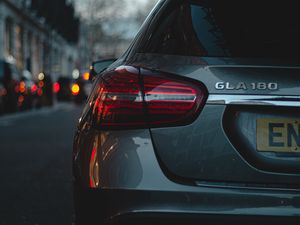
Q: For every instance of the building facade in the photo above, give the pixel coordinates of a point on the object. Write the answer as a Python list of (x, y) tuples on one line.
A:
[(31, 44)]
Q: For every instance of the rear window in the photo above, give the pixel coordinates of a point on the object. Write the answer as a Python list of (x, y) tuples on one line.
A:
[(228, 28)]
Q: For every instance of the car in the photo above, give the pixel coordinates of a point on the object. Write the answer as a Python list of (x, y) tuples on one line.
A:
[(79, 88), (27, 91), (62, 88), (198, 122), (9, 80), (68, 89)]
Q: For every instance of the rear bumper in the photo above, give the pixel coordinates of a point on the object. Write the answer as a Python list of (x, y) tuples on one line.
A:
[(132, 189), (210, 206)]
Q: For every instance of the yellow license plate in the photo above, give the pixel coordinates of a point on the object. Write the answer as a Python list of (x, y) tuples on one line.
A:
[(278, 135)]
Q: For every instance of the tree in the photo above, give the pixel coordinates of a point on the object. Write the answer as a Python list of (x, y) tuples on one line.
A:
[(144, 11), (101, 11), (99, 18)]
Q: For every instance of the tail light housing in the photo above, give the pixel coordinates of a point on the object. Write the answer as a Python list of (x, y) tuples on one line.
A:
[(131, 98)]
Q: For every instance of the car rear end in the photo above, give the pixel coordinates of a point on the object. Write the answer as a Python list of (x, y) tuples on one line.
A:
[(27, 92), (198, 123), (67, 89), (62, 89), (9, 79), (80, 88)]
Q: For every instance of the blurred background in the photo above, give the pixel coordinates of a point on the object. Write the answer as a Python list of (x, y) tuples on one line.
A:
[(46, 48), (49, 40)]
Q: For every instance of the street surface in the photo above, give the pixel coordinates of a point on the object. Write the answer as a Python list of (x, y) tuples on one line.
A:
[(35, 166)]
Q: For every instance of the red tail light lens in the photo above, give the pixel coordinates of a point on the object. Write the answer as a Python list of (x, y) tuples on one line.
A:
[(56, 87), (119, 102), (34, 88), (75, 89), (133, 98), (171, 101), (40, 92), (22, 87)]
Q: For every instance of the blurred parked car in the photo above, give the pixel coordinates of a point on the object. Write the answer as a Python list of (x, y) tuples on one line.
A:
[(67, 89), (9, 80), (62, 89), (27, 91), (48, 91), (43, 90), (79, 89)]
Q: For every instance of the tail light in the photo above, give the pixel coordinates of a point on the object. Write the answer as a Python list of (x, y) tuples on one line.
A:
[(86, 76), (75, 89), (40, 92), (56, 87), (22, 87), (34, 88), (134, 98)]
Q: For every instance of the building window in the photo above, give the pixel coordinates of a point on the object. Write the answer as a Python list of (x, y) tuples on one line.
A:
[(8, 37), (19, 46)]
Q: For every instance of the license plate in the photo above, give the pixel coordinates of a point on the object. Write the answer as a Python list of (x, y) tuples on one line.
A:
[(278, 135)]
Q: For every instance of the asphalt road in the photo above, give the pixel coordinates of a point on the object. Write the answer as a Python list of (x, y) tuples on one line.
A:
[(35, 166)]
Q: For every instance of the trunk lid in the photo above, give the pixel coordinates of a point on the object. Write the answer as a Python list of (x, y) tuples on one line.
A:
[(248, 132)]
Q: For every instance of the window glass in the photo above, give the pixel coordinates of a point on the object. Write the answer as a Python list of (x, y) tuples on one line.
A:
[(227, 28)]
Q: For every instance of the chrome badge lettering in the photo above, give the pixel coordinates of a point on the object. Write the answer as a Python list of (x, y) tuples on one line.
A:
[(245, 86)]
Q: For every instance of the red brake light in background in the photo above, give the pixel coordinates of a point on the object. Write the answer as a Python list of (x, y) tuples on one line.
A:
[(41, 84), (40, 92), (132, 98), (86, 76), (56, 87), (22, 87), (34, 88), (75, 89)]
